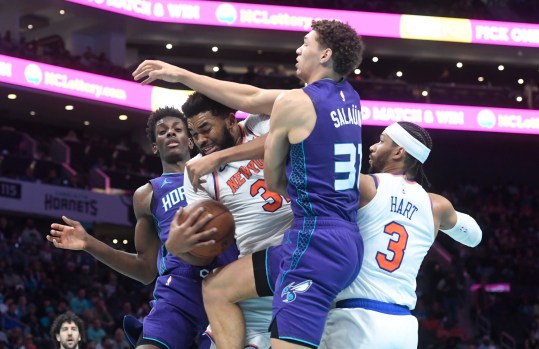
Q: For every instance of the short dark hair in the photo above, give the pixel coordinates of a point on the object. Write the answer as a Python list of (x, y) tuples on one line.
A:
[(160, 114), (68, 317), (346, 45), (198, 103), (411, 164)]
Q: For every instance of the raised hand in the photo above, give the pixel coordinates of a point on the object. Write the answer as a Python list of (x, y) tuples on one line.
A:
[(71, 236), (156, 70), (185, 234), (199, 167)]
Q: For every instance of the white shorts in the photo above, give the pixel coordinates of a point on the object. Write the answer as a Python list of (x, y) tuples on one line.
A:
[(257, 315), (360, 328)]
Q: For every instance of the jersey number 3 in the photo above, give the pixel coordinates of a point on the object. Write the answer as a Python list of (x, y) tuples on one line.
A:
[(396, 246), (349, 167)]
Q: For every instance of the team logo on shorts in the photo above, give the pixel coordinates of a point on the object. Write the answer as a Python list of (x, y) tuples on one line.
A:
[(289, 292)]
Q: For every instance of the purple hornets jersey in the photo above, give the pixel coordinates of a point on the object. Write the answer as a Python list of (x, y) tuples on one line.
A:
[(168, 197), (323, 169), (178, 288)]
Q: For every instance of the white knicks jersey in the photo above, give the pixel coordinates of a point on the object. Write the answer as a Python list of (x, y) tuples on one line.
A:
[(261, 216), (397, 227)]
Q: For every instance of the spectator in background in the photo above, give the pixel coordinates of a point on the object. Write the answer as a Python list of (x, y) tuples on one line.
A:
[(80, 302), (68, 331), (30, 236), (95, 332), (119, 341), (530, 89)]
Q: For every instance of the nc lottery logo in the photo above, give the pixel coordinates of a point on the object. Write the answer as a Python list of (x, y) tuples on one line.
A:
[(226, 13), (486, 118), (33, 74)]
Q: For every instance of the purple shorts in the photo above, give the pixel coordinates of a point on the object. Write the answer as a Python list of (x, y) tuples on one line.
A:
[(317, 260), (178, 317)]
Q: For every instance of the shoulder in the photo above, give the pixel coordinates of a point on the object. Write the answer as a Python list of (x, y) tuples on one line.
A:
[(440, 205), (292, 102), (292, 97), (142, 199)]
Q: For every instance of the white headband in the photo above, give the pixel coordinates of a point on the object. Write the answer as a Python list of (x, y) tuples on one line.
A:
[(412, 146)]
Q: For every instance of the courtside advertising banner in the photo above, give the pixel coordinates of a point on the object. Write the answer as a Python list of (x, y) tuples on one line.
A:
[(55, 201), (288, 18)]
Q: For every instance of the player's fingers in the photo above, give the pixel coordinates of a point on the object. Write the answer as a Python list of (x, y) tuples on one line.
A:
[(201, 221), (178, 215), (194, 216), (206, 234), (69, 221), (204, 243), (57, 227), (55, 232), (195, 183), (149, 80)]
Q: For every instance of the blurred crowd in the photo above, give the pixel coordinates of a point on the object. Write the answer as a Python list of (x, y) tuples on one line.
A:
[(456, 308)]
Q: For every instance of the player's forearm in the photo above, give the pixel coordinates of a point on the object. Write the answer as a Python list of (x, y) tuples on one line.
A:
[(234, 95), (246, 151), (128, 264)]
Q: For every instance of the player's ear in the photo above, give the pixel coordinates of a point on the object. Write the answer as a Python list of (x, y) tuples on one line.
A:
[(326, 55), (154, 148), (191, 144), (231, 120), (399, 153)]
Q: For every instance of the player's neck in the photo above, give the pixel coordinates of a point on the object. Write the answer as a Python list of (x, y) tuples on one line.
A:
[(177, 167), (324, 74)]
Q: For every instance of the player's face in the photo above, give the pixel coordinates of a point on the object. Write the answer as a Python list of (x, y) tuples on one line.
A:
[(309, 55), (69, 336), (380, 153), (211, 133), (172, 139)]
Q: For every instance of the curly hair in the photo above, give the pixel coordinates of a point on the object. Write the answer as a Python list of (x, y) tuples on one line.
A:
[(411, 164), (346, 45), (67, 317), (198, 103), (158, 115)]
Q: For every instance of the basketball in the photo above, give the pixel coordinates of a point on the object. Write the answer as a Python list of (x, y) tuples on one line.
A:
[(222, 220)]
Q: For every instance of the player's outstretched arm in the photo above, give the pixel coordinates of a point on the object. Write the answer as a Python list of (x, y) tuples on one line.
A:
[(459, 226), (140, 266), (243, 97)]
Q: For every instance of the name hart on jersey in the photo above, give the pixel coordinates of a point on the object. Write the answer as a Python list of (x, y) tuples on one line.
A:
[(346, 116), (405, 208), (172, 198), (244, 172)]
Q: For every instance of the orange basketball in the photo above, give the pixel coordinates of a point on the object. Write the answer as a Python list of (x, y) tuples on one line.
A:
[(222, 220)]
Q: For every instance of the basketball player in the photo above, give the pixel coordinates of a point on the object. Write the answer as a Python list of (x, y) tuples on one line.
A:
[(399, 221), (177, 315), (68, 330), (319, 129), (241, 187)]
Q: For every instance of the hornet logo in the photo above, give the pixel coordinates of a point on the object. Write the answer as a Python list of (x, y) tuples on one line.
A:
[(289, 292)]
